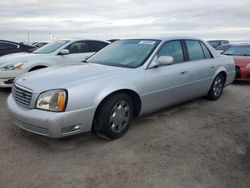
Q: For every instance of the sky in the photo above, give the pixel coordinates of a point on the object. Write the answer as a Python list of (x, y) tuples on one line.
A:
[(110, 19)]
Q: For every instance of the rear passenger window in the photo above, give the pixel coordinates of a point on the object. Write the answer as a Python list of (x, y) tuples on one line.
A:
[(206, 51), (4, 46), (12, 46), (174, 49), (95, 46), (195, 51)]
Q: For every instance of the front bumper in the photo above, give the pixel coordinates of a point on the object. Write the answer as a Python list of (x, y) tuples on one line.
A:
[(242, 73), (6, 82), (51, 124), (7, 76)]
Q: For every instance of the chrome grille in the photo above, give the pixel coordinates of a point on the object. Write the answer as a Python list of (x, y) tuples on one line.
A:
[(21, 96)]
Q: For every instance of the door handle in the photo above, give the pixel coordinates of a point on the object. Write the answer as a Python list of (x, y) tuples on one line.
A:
[(184, 72)]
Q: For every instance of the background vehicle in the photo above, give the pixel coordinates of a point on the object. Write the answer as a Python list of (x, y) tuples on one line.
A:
[(241, 55), (222, 48), (126, 79), (8, 47), (62, 52), (216, 43)]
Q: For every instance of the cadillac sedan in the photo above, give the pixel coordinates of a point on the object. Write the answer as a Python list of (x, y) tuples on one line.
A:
[(126, 79)]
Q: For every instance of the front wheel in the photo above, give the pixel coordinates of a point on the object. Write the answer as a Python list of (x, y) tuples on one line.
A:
[(114, 116), (217, 87)]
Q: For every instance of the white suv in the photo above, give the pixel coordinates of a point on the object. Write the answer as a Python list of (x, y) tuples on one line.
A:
[(61, 52)]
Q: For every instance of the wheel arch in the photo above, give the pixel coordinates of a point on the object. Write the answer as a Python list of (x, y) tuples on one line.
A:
[(36, 67), (134, 96), (223, 71)]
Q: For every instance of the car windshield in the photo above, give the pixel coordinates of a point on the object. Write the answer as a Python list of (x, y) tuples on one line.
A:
[(51, 47), (125, 53), (238, 51)]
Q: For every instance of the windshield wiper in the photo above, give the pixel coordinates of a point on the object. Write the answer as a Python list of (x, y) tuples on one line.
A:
[(85, 61)]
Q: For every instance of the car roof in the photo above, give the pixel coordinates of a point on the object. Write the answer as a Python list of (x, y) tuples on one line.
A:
[(242, 44), (9, 41), (84, 39), (216, 40), (16, 43), (165, 38)]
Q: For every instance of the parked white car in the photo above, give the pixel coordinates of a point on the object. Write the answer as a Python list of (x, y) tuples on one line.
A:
[(56, 53)]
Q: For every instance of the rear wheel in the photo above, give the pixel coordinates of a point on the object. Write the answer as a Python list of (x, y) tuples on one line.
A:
[(217, 87), (114, 116)]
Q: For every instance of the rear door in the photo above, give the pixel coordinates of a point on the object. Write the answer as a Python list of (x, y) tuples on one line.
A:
[(202, 67)]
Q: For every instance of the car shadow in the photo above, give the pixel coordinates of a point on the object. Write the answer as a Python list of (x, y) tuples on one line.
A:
[(5, 90), (66, 144)]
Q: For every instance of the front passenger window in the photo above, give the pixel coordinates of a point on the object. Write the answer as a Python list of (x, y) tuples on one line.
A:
[(174, 49), (78, 47)]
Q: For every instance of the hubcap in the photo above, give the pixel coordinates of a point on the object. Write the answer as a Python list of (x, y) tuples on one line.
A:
[(119, 116), (218, 85)]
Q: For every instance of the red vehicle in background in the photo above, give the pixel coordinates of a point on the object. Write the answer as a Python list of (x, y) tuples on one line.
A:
[(241, 54)]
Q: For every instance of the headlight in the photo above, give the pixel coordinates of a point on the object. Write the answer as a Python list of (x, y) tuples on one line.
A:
[(248, 66), (17, 66), (53, 100)]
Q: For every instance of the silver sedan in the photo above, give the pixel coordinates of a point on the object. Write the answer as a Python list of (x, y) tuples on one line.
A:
[(126, 79)]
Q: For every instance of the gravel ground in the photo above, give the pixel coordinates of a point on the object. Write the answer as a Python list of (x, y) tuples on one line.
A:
[(197, 144)]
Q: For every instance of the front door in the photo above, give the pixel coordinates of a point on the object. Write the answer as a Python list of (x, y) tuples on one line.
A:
[(166, 85)]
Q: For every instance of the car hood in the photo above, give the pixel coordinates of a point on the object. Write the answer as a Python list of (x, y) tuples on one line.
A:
[(65, 77), (19, 57), (241, 60)]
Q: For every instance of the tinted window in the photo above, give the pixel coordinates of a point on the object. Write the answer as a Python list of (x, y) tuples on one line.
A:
[(12, 46), (95, 46), (174, 49), (4, 46), (206, 51), (214, 43), (224, 47), (238, 51), (195, 51), (224, 42), (79, 47)]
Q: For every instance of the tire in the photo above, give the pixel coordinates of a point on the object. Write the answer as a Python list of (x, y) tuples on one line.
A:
[(114, 116), (216, 87)]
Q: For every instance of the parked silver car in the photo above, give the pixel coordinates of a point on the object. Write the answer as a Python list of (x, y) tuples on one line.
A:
[(125, 79)]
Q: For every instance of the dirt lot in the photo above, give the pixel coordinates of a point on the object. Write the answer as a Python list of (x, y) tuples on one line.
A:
[(197, 144)]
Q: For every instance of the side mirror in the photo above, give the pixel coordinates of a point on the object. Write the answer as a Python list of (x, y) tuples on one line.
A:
[(165, 60), (64, 52)]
